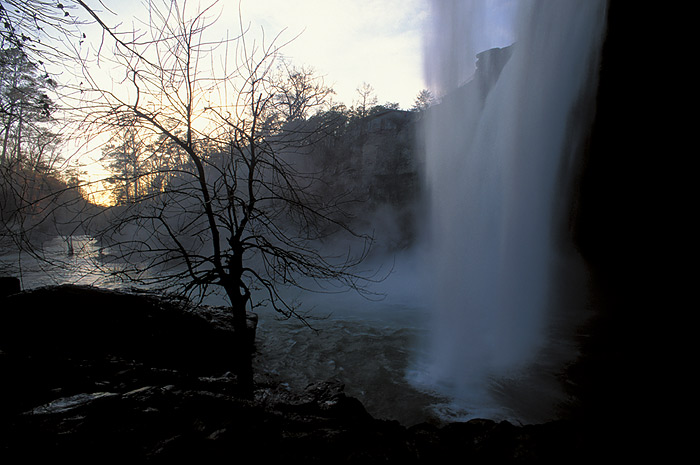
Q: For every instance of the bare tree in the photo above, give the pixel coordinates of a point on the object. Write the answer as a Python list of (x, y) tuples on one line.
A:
[(40, 197), (366, 100), (299, 92), (24, 108), (240, 214), (125, 157), (41, 29), (29, 148)]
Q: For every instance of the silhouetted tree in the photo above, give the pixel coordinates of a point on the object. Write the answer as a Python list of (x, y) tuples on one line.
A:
[(125, 157), (240, 214), (24, 106), (29, 149), (299, 91), (366, 100), (44, 31)]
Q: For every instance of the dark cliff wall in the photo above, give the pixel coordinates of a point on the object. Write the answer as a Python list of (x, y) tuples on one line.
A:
[(618, 217)]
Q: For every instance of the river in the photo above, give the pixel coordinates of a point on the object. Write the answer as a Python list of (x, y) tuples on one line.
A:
[(376, 347), (366, 344)]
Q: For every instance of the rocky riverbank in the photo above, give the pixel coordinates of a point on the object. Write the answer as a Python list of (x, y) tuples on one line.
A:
[(116, 376)]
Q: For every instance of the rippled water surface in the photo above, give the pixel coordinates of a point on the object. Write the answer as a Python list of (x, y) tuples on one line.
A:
[(375, 347)]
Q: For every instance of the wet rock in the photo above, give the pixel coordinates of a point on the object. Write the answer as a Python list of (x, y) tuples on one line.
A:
[(9, 285), (84, 379), (67, 404), (87, 322), (63, 341)]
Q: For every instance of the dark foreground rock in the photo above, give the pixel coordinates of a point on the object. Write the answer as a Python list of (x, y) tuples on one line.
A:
[(106, 376), (170, 422)]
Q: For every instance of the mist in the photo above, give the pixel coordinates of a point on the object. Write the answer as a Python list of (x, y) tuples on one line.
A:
[(504, 285), (473, 283)]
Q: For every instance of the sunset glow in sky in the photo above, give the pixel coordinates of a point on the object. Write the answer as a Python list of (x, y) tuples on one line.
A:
[(347, 42), (350, 42), (379, 42)]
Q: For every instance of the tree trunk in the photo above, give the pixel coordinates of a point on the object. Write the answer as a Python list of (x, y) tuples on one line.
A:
[(238, 305), (243, 340)]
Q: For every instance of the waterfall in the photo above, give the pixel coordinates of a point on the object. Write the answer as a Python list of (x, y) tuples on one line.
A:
[(502, 151)]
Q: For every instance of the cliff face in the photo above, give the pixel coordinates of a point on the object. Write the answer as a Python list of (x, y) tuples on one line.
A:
[(373, 166), (616, 227), (379, 162)]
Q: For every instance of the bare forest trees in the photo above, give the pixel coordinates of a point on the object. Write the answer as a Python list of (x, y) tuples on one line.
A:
[(299, 92), (125, 156), (205, 124), (24, 106), (41, 28), (38, 39), (29, 148)]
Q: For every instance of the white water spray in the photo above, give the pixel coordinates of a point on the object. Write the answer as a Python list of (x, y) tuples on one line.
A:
[(499, 163)]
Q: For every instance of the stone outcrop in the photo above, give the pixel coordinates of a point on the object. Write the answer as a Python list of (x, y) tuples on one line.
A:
[(61, 341), (203, 423), (88, 322), (91, 374), (9, 285)]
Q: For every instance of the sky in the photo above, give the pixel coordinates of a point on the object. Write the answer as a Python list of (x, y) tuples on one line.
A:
[(347, 42), (350, 42)]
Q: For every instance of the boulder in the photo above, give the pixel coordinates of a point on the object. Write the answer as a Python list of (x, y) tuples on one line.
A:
[(61, 341), (88, 322), (9, 285), (89, 374)]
